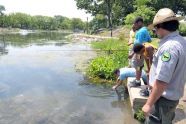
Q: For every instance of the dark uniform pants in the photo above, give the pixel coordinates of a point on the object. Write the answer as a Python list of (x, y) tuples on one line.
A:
[(164, 111)]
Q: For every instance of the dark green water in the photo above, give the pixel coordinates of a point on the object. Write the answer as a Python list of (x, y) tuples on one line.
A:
[(40, 85)]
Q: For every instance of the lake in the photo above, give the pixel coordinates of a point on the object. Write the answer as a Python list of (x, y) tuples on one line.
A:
[(39, 83)]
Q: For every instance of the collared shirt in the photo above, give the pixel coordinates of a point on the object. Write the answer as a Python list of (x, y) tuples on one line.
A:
[(142, 36), (169, 65)]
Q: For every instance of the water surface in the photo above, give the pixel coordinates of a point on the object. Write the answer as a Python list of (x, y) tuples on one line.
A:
[(39, 84)]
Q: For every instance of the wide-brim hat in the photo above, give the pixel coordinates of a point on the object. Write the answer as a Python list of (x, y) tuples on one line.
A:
[(164, 15)]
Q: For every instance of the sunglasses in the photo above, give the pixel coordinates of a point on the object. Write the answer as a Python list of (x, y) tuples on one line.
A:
[(156, 27)]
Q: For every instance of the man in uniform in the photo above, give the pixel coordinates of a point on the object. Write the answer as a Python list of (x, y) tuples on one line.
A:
[(168, 70)]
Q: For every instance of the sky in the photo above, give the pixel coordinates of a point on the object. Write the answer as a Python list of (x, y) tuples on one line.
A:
[(65, 8)]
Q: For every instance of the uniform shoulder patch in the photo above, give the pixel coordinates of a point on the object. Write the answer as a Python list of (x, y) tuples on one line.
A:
[(166, 56)]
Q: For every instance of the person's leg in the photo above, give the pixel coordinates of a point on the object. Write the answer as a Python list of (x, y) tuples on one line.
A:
[(129, 60), (125, 87), (150, 119), (145, 91), (144, 78), (164, 110), (167, 110), (136, 82), (138, 74)]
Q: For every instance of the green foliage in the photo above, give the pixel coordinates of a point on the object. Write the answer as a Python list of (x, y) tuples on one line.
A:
[(121, 8), (99, 22), (114, 55), (109, 44), (146, 12), (118, 12), (77, 24), (182, 29), (178, 6), (25, 21), (139, 3), (113, 11), (139, 115), (102, 67)]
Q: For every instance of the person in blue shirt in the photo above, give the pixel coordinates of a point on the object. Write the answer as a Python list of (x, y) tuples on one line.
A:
[(123, 73), (142, 34), (137, 61)]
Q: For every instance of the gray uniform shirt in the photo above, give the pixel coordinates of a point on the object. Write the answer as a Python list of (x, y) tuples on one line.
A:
[(169, 65)]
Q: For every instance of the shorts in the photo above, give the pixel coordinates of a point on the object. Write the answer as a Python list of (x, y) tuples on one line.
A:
[(139, 68), (138, 65)]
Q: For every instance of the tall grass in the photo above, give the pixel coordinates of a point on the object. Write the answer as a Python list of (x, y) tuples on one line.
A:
[(113, 54), (182, 29)]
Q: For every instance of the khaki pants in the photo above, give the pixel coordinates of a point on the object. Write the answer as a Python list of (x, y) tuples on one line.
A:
[(164, 111)]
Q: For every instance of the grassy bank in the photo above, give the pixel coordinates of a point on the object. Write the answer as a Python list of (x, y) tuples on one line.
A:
[(182, 29), (112, 54)]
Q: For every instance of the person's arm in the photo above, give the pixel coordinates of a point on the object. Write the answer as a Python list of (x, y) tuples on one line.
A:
[(148, 59), (118, 83), (131, 55), (157, 90), (130, 38), (130, 43), (148, 62)]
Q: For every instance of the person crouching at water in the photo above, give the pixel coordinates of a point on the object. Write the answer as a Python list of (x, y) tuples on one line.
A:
[(123, 73)]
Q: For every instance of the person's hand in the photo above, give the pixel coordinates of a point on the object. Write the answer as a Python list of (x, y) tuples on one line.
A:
[(146, 109), (130, 43)]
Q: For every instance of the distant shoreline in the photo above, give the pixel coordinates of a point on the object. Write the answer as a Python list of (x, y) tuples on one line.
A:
[(18, 30)]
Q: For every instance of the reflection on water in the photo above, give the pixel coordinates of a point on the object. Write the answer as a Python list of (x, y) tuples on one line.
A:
[(39, 38), (39, 84)]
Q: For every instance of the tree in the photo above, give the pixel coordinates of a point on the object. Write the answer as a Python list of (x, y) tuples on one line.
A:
[(146, 12), (20, 20), (178, 6), (2, 8), (121, 8), (66, 24), (77, 24), (98, 22)]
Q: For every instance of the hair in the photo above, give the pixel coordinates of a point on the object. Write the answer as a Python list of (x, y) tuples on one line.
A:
[(137, 48), (138, 19), (116, 71), (169, 26)]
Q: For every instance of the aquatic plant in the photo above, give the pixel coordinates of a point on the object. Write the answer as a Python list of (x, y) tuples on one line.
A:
[(113, 54)]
